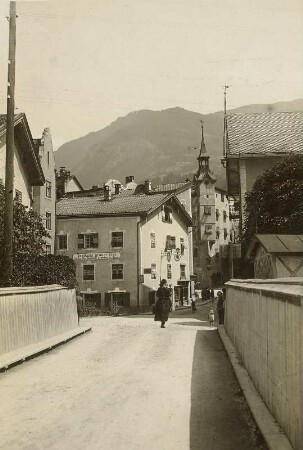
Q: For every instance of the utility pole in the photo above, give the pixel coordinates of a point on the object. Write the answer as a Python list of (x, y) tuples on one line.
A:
[(7, 267), (224, 120)]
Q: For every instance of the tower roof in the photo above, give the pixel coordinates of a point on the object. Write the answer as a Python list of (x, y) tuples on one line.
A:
[(203, 153)]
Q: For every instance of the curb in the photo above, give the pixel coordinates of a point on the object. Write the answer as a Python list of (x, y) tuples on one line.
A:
[(275, 438), (16, 357)]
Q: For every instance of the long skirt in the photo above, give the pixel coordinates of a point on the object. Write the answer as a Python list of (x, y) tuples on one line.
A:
[(162, 309)]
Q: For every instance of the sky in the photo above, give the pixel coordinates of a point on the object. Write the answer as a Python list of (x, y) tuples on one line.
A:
[(81, 64)]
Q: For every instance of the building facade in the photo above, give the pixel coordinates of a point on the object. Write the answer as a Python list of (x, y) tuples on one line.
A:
[(123, 243), (27, 168), (45, 196)]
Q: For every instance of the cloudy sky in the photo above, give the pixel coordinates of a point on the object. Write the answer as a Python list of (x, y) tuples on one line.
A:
[(82, 64)]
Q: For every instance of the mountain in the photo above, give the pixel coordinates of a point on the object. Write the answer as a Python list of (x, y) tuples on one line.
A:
[(161, 145)]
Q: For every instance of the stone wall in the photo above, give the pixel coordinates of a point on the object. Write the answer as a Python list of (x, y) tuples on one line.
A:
[(263, 319)]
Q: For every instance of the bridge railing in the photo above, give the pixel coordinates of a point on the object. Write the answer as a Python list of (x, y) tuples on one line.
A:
[(29, 315), (263, 319)]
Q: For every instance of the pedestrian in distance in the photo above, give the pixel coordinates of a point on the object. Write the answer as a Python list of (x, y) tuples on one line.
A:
[(220, 307), (211, 317), (163, 303), (79, 301), (193, 305)]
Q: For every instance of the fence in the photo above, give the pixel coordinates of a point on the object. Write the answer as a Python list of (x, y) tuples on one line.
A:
[(29, 315), (264, 321)]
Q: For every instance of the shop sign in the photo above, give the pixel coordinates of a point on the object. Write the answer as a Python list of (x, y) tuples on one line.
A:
[(106, 255)]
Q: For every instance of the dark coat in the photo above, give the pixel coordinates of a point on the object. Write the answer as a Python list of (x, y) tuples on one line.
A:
[(163, 304)]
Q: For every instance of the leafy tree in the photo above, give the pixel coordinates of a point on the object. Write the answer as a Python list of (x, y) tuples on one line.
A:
[(31, 266), (275, 203)]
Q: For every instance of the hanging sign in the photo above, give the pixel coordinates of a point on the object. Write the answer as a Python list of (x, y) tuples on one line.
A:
[(105, 255)]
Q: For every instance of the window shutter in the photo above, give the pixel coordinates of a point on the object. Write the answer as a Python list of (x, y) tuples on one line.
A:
[(126, 300), (98, 299), (80, 240), (173, 242), (107, 297), (95, 240), (168, 242)]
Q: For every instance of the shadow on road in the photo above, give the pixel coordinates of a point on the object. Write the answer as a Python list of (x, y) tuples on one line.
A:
[(220, 418)]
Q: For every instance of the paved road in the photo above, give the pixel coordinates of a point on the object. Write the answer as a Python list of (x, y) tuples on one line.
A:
[(129, 385)]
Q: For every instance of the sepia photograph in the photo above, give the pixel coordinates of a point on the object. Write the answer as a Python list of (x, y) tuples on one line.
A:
[(151, 225)]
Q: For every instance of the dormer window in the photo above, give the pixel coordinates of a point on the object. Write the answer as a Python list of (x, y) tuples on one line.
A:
[(167, 214)]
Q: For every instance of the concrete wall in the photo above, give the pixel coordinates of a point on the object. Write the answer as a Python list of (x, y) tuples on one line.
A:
[(264, 321), (32, 314)]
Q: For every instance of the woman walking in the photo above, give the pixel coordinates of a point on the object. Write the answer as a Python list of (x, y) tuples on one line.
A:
[(220, 307), (163, 303)]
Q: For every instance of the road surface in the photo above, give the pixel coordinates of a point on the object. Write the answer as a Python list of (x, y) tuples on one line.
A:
[(129, 385)]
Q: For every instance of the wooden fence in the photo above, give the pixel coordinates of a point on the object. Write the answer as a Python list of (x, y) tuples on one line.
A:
[(263, 319), (32, 314)]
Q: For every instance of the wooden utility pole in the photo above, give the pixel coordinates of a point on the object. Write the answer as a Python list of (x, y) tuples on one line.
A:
[(224, 120), (7, 267)]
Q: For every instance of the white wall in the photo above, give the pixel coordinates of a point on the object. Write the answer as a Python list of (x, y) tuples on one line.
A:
[(264, 320), (32, 314)]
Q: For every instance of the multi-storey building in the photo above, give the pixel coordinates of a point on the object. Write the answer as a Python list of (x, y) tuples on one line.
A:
[(45, 196), (210, 209), (254, 142), (124, 242), (27, 167)]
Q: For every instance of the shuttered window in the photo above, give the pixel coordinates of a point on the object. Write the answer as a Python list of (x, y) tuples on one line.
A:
[(170, 242), (169, 274), (88, 240), (88, 272), (207, 210), (117, 239), (152, 240), (117, 271)]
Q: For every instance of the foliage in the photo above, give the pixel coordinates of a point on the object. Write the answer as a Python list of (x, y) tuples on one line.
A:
[(45, 269), (31, 266), (275, 203)]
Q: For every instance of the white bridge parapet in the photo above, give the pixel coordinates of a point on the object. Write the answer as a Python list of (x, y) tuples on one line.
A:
[(29, 315), (264, 321)]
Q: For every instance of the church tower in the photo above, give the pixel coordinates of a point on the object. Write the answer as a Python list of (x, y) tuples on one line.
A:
[(204, 214)]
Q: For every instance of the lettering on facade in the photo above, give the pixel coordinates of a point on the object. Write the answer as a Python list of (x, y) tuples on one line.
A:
[(105, 255)]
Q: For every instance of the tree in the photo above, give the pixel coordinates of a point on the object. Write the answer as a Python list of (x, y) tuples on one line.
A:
[(275, 203)]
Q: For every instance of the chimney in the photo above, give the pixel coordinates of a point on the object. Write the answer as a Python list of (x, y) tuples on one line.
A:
[(95, 187), (117, 188), (107, 193), (147, 186), (129, 179)]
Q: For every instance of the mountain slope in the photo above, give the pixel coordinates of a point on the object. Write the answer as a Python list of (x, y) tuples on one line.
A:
[(152, 144)]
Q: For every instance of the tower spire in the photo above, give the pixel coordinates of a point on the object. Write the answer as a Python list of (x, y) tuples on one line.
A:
[(202, 148)]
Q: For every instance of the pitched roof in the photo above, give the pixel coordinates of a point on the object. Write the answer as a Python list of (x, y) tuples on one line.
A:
[(171, 187), (277, 243), (263, 133), (123, 204)]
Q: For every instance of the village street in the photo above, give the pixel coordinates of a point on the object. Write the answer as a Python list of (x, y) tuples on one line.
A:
[(129, 385)]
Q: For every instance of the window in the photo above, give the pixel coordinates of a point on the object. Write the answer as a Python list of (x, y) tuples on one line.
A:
[(48, 189), (62, 241), (167, 214), (207, 210), (48, 249), (154, 271), (93, 299), (217, 233), (224, 216), (170, 242), (152, 240), (48, 221), (117, 239), (196, 253), (117, 271), (222, 197), (18, 196), (208, 229), (88, 272), (182, 271), (88, 240), (182, 246), (225, 233), (168, 271)]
